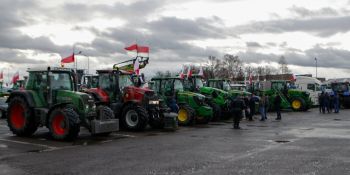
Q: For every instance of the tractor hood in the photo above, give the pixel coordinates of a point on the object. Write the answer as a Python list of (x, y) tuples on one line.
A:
[(82, 101), (139, 90), (210, 90), (191, 94)]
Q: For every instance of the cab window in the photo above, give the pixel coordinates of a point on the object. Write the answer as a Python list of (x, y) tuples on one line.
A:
[(311, 87)]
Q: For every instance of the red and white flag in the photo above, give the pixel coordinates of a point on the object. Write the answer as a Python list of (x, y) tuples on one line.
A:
[(137, 67), (2, 75), (189, 72), (69, 59), (201, 73), (293, 77), (182, 75), (250, 79), (15, 77), (136, 50)]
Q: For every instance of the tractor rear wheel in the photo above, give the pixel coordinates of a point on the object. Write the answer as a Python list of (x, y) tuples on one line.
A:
[(20, 117), (298, 104), (104, 113), (185, 115), (134, 117), (64, 124)]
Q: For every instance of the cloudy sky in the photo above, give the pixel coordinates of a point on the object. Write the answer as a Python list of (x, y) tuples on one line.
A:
[(38, 33)]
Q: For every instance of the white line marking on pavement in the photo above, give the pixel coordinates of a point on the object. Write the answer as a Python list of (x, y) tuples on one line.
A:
[(27, 143)]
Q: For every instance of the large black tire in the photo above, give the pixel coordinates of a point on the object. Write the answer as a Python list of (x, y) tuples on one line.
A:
[(186, 115), (104, 113), (298, 104), (64, 124), (134, 118), (20, 118), (156, 119)]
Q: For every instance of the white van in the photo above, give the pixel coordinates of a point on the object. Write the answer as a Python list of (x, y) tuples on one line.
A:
[(311, 85)]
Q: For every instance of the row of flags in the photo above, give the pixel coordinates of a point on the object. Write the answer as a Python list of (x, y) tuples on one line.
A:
[(15, 77), (189, 72)]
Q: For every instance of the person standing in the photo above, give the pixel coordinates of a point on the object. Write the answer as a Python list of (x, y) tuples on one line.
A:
[(321, 101), (336, 103), (237, 106), (252, 107), (267, 104), (277, 104), (262, 108), (326, 101), (331, 101)]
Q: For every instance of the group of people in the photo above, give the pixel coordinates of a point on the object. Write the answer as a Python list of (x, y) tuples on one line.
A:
[(244, 105), (329, 102)]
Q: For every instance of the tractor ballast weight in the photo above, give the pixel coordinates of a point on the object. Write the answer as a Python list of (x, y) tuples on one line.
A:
[(50, 99), (192, 107), (136, 107)]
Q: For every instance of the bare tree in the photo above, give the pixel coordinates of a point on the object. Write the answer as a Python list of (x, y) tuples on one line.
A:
[(283, 65)]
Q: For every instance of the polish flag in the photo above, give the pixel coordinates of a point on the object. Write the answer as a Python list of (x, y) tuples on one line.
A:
[(189, 72), (201, 73), (250, 79), (68, 59), (137, 67), (2, 75), (182, 75), (293, 77), (15, 77), (143, 51)]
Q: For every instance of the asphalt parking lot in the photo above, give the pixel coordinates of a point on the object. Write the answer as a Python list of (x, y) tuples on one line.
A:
[(302, 143)]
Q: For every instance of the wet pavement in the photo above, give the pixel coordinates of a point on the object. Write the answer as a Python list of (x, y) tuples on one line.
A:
[(302, 143)]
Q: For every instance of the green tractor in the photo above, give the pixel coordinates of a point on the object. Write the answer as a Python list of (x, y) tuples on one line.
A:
[(192, 107), (50, 99), (225, 84), (296, 99), (217, 99)]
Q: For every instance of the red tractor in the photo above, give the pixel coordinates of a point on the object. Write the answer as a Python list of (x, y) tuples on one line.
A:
[(136, 107)]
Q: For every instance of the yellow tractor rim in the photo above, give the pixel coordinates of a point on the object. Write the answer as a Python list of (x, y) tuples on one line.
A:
[(182, 116), (296, 104)]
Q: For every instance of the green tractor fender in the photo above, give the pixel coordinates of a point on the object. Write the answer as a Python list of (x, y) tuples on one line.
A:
[(27, 95)]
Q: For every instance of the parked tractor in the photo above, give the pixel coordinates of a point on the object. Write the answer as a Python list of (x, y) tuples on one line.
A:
[(88, 81), (192, 107), (216, 98), (136, 107), (224, 84), (296, 99), (50, 99)]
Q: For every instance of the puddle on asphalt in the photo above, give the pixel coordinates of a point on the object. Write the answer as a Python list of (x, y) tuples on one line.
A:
[(257, 126), (282, 141), (337, 119), (217, 124)]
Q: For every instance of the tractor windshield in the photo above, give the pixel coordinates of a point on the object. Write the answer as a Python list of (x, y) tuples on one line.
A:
[(61, 81), (226, 86), (178, 86), (199, 83), (124, 81)]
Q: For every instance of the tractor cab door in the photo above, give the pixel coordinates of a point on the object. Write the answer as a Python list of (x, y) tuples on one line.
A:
[(59, 81), (107, 82), (37, 82)]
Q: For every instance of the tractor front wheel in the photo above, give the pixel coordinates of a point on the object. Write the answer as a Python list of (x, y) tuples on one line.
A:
[(134, 117), (298, 104), (20, 117), (185, 115), (64, 124)]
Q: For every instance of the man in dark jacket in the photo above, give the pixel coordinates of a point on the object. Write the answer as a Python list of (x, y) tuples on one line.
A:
[(252, 107), (277, 103), (237, 106)]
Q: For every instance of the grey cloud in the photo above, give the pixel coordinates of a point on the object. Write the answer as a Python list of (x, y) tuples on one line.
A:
[(12, 56), (323, 27), (304, 12), (253, 44)]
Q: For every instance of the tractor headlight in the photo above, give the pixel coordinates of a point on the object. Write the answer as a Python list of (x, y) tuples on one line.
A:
[(154, 102)]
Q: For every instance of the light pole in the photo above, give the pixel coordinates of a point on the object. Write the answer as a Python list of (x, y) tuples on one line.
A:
[(316, 66)]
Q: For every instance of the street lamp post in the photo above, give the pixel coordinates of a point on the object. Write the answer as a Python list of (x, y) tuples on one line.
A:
[(316, 66)]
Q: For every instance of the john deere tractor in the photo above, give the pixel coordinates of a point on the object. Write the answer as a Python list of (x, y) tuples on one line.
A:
[(50, 99), (192, 106), (136, 107), (217, 99), (296, 99)]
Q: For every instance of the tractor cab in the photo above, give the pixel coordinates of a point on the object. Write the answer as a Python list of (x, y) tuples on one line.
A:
[(88, 81)]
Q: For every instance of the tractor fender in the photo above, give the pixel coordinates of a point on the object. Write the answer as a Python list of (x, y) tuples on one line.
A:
[(57, 106), (25, 94), (133, 102)]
